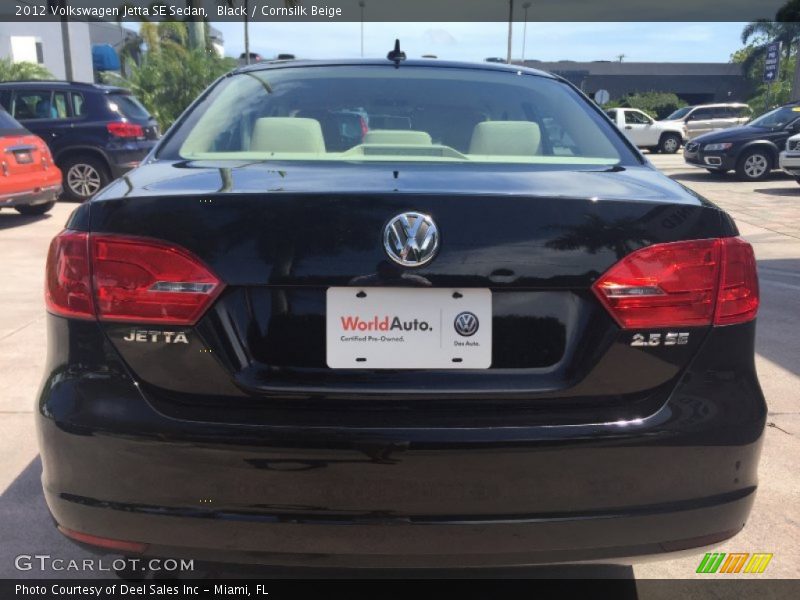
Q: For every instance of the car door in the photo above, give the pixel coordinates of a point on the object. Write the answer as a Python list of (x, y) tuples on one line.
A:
[(723, 117), (47, 113), (700, 121), (640, 129)]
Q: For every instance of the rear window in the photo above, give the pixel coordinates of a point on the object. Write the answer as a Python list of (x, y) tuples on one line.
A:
[(382, 113), (7, 123), (128, 106)]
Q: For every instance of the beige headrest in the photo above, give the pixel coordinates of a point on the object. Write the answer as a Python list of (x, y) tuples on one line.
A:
[(287, 134), (509, 138), (397, 136)]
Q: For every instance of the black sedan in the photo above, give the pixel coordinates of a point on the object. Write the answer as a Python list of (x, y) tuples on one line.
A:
[(752, 150), (490, 334)]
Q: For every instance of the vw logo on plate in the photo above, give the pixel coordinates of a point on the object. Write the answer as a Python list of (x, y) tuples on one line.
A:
[(411, 239), (466, 324)]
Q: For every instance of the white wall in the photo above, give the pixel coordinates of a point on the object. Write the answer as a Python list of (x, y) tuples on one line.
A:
[(49, 33)]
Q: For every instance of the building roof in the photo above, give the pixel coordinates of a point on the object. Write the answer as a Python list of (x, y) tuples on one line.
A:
[(636, 68)]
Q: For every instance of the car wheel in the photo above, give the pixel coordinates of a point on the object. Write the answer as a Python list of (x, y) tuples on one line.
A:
[(84, 176), (36, 209), (754, 165), (670, 143)]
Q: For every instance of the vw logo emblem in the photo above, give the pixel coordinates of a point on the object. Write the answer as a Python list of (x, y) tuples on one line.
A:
[(411, 239), (466, 324)]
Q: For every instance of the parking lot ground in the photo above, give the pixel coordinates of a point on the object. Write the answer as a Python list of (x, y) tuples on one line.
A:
[(767, 213)]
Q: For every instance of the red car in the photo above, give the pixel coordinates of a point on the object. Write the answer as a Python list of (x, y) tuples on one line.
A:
[(29, 179)]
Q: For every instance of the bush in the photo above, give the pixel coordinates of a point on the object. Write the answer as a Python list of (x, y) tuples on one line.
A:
[(18, 71), (656, 104)]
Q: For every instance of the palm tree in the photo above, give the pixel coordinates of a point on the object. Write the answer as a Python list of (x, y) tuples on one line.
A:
[(784, 29), (20, 71)]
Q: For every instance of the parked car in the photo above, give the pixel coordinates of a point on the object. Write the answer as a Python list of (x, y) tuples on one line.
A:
[(706, 118), (30, 182), (645, 132), (752, 150), (466, 343), (790, 158), (95, 132)]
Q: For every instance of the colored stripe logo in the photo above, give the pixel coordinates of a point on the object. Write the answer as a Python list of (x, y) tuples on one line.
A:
[(734, 562)]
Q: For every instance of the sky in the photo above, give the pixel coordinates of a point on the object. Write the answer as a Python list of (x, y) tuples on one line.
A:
[(646, 42)]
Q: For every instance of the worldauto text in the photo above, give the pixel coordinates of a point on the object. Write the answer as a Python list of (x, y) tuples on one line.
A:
[(383, 324)]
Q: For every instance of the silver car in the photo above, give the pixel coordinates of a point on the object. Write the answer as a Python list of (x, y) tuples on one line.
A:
[(710, 117)]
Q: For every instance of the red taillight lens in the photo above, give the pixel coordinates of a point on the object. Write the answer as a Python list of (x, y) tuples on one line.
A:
[(126, 279), (68, 289), (101, 542), (690, 283), (125, 130), (146, 281), (738, 297)]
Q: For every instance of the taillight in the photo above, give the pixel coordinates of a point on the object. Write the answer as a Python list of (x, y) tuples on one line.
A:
[(125, 130), (68, 289), (691, 283), (132, 279), (147, 281), (738, 297)]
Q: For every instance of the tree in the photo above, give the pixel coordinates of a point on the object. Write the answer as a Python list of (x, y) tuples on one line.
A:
[(656, 104), (784, 29), (18, 71)]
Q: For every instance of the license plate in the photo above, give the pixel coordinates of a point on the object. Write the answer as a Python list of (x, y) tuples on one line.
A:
[(405, 328), (23, 157)]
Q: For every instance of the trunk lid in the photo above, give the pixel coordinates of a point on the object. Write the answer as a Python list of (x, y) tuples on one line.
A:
[(279, 239)]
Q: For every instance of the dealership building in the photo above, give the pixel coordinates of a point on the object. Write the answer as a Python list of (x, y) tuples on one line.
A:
[(695, 83)]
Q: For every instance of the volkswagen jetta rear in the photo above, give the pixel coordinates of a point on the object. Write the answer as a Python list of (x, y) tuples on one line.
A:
[(487, 332)]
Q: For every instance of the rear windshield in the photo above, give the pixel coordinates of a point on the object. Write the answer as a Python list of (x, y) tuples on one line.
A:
[(128, 106), (382, 113), (778, 118), (8, 123)]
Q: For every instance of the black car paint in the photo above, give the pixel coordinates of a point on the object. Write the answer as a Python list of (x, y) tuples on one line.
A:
[(588, 449), (86, 134)]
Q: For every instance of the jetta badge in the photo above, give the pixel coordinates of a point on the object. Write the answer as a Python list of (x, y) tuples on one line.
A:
[(411, 239), (466, 324)]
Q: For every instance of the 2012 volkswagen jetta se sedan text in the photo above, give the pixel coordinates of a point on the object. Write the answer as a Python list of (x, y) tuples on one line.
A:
[(399, 313)]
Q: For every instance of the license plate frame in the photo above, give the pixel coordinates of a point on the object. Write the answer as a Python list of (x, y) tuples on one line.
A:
[(362, 328)]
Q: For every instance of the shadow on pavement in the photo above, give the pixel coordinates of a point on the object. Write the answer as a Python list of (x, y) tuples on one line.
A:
[(10, 218), (26, 527), (793, 192), (776, 332), (706, 177)]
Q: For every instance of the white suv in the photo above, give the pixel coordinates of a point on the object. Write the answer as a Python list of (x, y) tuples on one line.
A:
[(706, 118), (790, 158)]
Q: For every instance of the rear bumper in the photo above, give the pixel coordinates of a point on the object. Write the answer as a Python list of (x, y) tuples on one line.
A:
[(123, 157), (40, 195), (790, 162), (682, 477)]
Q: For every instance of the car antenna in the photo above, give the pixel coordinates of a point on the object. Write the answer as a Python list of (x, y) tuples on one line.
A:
[(396, 55)]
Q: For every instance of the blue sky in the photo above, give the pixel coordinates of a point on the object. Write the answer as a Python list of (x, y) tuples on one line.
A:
[(670, 42)]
